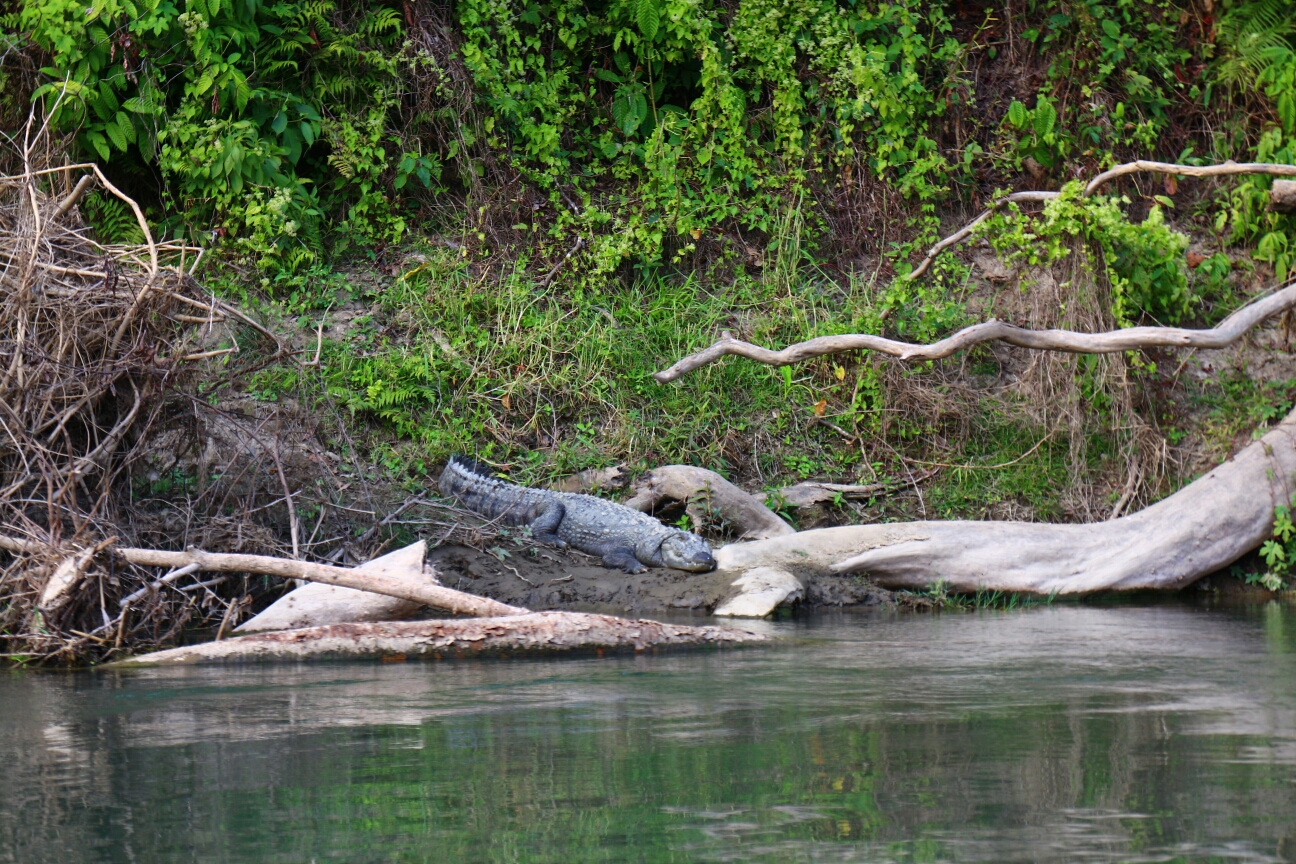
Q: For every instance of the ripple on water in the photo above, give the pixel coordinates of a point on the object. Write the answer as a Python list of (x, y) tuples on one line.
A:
[(1066, 733)]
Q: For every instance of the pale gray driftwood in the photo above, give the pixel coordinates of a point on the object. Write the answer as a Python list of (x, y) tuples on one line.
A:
[(316, 604), (758, 592), (1204, 527), (687, 482), (533, 633), (1228, 331)]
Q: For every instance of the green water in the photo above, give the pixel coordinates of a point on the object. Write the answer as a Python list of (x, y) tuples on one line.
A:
[(1072, 733)]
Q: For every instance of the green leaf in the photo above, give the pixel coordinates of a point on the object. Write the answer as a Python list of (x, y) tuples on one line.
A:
[(307, 133), (1111, 28), (648, 17), (279, 123), (127, 127), (1164, 201), (1045, 118), (116, 135), (1017, 114), (100, 145), (629, 108)]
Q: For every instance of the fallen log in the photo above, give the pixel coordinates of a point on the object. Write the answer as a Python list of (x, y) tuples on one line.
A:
[(1200, 529), (316, 604), (446, 599), (533, 633), (686, 482)]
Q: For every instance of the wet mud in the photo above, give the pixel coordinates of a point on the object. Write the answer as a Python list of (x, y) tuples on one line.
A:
[(539, 577)]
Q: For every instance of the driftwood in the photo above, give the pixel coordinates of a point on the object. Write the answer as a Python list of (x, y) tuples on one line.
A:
[(1204, 527), (1278, 198), (436, 596), (316, 604), (533, 633), (1282, 197), (592, 480), (1230, 330), (686, 482)]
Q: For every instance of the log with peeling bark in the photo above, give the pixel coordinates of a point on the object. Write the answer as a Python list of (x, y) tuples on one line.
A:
[(1228, 331), (1204, 527), (533, 633)]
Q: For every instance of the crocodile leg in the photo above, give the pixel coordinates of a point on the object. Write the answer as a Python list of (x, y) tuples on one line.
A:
[(545, 526), (622, 558)]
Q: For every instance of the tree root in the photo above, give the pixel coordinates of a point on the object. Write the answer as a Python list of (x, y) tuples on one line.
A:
[(1230, 330), (1204, 527), (533, 633)]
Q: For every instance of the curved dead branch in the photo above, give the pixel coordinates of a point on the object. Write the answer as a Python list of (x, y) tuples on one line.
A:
[(963, 233), (1225, 169), (1226, 333)]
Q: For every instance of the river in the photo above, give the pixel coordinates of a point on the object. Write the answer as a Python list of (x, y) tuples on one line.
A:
[(1161, 732)]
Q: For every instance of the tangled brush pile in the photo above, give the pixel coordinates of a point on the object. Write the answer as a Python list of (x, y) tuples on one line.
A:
[(91, 335)]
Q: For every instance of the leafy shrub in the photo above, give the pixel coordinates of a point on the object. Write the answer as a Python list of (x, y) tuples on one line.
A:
[(229, 98), (1144, 262)]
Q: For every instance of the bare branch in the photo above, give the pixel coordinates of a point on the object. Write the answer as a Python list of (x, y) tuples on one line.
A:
[(962, 234), (1225, 169), (1229, 331)]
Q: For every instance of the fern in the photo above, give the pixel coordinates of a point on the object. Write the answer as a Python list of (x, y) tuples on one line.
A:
[(1252, 38), (110, 219)]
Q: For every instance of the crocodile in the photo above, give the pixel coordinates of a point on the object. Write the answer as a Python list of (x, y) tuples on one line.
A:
[(622, 536)]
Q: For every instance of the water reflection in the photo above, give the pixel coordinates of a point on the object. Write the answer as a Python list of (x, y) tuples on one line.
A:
[(1053, 734)]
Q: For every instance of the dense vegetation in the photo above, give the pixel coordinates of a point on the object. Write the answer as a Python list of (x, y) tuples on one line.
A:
[(589, 189)]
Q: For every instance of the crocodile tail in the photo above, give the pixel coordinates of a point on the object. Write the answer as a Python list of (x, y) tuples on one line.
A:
[(469, 483), (471, 466)]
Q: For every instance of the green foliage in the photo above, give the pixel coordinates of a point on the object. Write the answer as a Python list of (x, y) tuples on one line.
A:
[(229, 98), (1279, 553), (705, 113), (1246, 216), (112, 220), (514, 376), (1144, 262)]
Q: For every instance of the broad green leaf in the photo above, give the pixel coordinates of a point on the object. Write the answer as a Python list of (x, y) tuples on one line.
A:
[(123, 122), (1017, 114), (116, 135), (648, 17), (279, 123), (1045, 118), (100, 145)]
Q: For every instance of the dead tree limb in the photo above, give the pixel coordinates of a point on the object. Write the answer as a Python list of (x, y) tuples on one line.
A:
[(1230, 330), (686, 482), (1225, 169), (533, 633), (435, 596), (1204, 527)]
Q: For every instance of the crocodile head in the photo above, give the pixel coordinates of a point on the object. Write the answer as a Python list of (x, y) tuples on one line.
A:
[(684, 550)]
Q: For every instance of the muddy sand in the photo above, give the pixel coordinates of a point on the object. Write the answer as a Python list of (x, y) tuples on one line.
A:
[(539, 577)]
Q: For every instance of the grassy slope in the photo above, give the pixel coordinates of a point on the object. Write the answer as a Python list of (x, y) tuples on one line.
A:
[(445, 357)]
